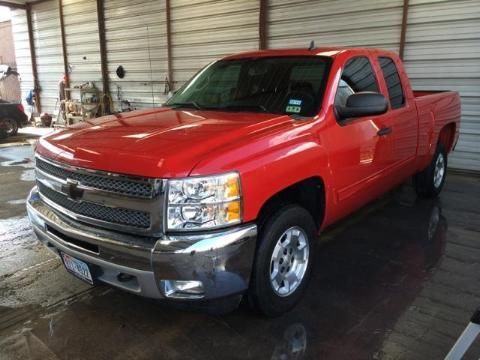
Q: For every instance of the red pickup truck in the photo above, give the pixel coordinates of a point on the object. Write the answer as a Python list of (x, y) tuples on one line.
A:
[(222, 192)]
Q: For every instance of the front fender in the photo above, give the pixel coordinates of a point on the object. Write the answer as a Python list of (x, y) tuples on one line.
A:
[(270, 164), (280, 170)]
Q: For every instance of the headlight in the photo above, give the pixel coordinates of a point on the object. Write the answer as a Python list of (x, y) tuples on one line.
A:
[(204, 202)]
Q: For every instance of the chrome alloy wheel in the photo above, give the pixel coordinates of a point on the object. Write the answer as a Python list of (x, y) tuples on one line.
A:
[(289, 261), (439, 171)]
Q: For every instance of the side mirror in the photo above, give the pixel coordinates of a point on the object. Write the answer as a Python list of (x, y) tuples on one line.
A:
[(362, 104)]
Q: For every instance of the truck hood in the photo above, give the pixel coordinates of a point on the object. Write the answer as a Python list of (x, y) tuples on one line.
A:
[(160, 142)]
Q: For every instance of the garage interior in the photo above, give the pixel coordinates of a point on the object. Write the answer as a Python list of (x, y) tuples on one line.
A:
[(399, 279)]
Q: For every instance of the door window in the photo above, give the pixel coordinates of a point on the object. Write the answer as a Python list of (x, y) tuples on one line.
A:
[(357, 76), (394, 84)]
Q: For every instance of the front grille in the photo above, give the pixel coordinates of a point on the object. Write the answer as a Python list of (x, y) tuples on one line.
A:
[(121, 216), (136, 188)]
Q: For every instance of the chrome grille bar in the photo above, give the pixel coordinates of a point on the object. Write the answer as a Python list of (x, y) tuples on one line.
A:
[(120, 216), (123, 185), (112, 201)]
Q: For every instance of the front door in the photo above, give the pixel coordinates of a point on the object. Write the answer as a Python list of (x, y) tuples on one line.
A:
[(359, 153)]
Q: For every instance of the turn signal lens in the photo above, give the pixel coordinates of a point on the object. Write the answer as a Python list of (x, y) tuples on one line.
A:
[(233, 211), (232, 187)]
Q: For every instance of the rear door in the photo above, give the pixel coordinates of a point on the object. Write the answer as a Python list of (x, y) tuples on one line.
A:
[(401, 119)]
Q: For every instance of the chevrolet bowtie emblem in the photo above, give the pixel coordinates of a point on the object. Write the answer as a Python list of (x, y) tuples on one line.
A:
[(71, 190)]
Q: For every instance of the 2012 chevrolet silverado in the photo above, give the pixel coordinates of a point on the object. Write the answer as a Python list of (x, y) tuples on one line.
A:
[(222, 192)]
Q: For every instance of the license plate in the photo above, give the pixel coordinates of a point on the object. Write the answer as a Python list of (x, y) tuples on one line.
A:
[(77, 268)]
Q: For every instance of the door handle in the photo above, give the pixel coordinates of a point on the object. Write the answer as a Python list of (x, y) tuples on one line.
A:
[(384, 131)]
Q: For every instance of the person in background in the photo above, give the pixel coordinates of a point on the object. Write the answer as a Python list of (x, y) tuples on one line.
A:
[(30, 99)]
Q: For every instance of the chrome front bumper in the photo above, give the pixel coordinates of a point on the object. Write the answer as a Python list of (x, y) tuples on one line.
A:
[(221, 260)]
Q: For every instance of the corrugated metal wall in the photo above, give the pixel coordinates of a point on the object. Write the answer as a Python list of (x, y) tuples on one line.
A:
[(22, 52), (442, 52), (81, 38), (203, 31), (294, 23), (136, 39), (442, 44), (48, 47)]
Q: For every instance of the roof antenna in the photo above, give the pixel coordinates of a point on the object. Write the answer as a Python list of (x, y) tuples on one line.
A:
[(312, 45)]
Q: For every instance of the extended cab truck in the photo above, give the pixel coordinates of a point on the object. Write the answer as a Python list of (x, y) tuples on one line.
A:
[(224, 189)]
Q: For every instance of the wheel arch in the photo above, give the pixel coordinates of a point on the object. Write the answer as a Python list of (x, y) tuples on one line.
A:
[(308, 193), (446, 136)]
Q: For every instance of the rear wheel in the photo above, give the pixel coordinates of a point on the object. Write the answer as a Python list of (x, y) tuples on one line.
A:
[(9, 127), (429, 182), (283, 262)]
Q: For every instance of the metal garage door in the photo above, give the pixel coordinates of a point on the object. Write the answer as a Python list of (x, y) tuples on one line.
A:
[(442, 52), (22, 52), (203, 31), (136, 39), (81, 38), (294, 23), (48, 47)]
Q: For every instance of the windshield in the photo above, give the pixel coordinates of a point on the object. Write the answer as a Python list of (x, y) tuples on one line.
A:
[(279, 85)]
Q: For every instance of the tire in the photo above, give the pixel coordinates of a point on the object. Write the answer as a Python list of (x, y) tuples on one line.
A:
[(3, 129), (429, 182), (14, 127), (273, 297), (9, 127)]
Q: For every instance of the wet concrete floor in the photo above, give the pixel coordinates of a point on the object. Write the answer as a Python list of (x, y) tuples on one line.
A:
[(397, 280)]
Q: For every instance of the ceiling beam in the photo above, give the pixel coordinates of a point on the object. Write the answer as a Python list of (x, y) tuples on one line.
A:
[(262, 25), (403, 30), (13, 5), (33, 56), (64, 49), (168, 23), (103, 57)]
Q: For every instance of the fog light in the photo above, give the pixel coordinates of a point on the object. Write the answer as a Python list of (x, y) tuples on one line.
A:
[(182, 289)]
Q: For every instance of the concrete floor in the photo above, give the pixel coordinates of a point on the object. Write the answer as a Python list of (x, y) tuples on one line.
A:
[(397, 280)]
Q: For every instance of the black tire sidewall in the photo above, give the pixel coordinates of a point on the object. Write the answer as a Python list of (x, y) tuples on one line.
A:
[(14, 126), (3, 129), (424, 180), (261, 292)]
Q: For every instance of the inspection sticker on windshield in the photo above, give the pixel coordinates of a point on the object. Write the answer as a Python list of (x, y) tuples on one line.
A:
[(295, 102), (294, 106)]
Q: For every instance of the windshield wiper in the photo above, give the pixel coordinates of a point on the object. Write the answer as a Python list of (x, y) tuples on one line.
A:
[(244, 107), (191, 104)]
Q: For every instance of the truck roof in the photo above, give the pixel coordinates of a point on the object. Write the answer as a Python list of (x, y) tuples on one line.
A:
[(321, 51)]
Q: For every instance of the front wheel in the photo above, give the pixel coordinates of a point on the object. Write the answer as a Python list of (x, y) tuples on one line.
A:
[(283, 261), (429, 182)]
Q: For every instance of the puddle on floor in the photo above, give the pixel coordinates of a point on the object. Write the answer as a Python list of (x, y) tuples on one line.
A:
[(17, 202), (17, 156), (28, 175), (15, 232)]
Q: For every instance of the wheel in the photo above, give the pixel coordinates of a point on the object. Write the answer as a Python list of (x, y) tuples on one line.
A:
[(429, 182), (283, 261), (9, 127), (4, 128)]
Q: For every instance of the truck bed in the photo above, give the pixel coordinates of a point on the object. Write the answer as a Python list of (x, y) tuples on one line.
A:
[(421, 93), (435, 110)]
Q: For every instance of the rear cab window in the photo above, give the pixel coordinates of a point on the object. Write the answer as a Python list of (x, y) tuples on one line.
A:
[(393, 82)]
